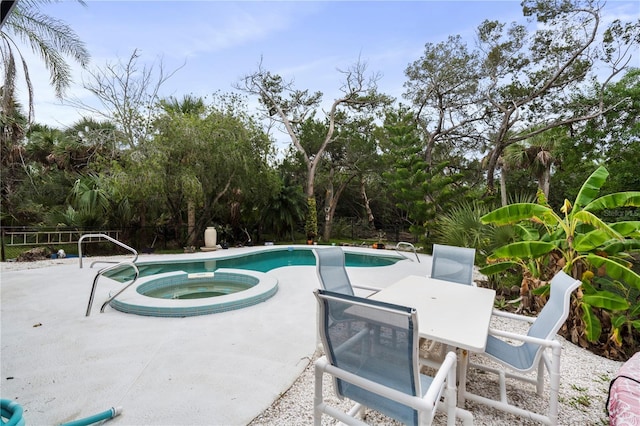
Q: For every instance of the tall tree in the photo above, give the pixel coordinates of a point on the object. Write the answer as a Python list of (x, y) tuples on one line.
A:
[(348, 160), (290, 107), (420, 190), (206, 157), (531, 76), (195, 107), (612, 139), (49, 38), (128, 93), (443, 88), (52, 40)]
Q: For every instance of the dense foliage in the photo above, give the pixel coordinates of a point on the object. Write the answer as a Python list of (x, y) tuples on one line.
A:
[(579, 241), (540, 106)]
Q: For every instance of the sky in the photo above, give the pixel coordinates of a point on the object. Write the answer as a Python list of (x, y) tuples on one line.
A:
[(216, 43)]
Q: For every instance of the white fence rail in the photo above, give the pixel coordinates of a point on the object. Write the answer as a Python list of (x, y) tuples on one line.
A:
[(41, 238)]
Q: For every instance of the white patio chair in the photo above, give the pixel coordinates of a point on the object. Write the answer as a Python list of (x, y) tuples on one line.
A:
[(455, 264), (371, 353), (531, 354), (332, 272)]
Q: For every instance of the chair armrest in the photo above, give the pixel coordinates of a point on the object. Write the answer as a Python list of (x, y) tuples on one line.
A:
[(447, 370), (365, 287), (322, 365), (550, 343), (510, 315)]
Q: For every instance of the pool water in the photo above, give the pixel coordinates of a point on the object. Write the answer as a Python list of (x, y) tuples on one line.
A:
[(262, 261), (178, 294), (203, 286), (199, 290)]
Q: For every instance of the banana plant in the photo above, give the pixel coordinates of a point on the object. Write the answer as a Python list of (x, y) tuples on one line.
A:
[(582, 244)]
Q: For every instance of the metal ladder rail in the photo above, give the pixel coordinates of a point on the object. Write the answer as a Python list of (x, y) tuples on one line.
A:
[(106, 237), (411, 246), (100, 273), (137, 271)]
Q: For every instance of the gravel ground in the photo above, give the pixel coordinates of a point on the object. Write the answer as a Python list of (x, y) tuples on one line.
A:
[(583, 387), (583, 393)]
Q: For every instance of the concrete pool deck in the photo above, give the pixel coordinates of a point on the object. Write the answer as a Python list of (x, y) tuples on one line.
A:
[(219, 369)]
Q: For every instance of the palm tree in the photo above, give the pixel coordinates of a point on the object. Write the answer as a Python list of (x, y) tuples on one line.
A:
[(189, 106), (49, 38), (285, 209), (535, 154)]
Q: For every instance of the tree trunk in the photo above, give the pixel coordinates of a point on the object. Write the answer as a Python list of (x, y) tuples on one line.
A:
[(330, 207), (191, 223), (365, 199), (544, 182), (503, 187), (491, 168), (328, 201)]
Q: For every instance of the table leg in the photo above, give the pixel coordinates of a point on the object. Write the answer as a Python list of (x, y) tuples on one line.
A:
[(462, 376)]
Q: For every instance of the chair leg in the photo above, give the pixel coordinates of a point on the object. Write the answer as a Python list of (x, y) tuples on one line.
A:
[(450, 401), (540, 380), (318, 399), (553, 366), (462, 366), (466, 416), (357, 411), (554, 380)]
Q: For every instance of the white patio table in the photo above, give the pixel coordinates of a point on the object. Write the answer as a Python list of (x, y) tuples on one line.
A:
[(454, 314)]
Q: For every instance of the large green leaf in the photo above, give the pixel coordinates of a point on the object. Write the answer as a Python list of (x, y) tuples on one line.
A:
[(618, 321), (592, 326), (616, 200), (543, 290), (514, 213), (590, 240), (606, 300), (615, 246), (596, 222), (494, 268), (590, 188), (615, 270), (627, 229), (587, 288), (527, 232), (636, 324), (523, 250)]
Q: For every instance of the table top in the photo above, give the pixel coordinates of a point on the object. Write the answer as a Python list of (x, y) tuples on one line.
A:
[(455, 314)]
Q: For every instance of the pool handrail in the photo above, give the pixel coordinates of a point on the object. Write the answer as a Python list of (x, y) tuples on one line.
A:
[(106, 237), (410, 246), (137, 274), (100, 273)]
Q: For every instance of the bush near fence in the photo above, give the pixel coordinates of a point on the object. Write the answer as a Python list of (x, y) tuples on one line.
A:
[(165, 239)]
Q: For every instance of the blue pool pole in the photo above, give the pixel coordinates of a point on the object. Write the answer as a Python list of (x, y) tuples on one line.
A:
[(105, 415), (12, 411)]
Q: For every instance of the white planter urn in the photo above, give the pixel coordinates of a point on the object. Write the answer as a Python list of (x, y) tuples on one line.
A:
[(210, 237)]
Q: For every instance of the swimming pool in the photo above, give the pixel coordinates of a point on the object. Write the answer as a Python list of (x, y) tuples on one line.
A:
[(258, 287), (261, 261), (247, 274)]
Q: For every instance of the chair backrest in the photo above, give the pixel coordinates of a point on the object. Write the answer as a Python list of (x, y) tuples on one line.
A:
[(374, 340), (554, 313), (453, 264), (331, 270)]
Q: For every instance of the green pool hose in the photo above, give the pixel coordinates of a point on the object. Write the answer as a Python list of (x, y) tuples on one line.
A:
[(12, 411), (105, 415)]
